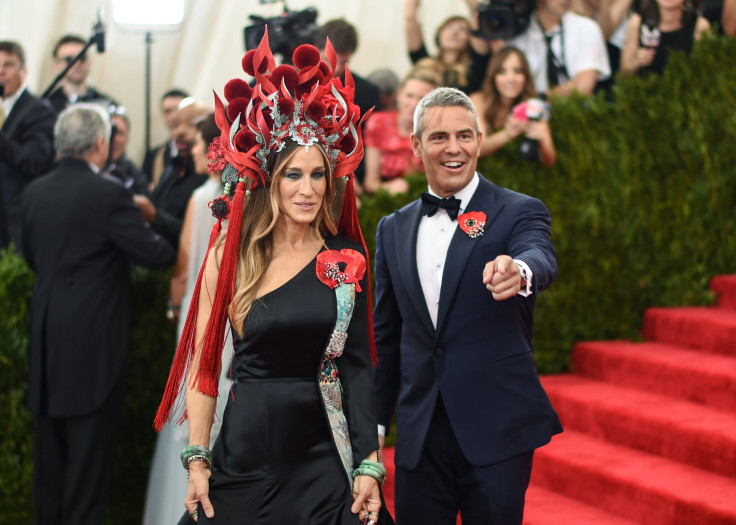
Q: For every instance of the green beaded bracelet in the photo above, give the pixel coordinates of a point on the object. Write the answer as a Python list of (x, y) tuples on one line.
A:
[(375, 465), (195, 452), (368, 472), (372, 469)]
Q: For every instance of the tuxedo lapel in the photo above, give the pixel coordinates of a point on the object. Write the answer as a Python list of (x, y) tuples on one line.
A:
[(462, 245), (407, 226)]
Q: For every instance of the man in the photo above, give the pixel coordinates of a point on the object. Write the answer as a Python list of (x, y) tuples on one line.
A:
[(344, 40), (120, 166), (26, 139), (165, 210), (75, 86), (159, 158), (566, 51), (453, 324), (83, 231)]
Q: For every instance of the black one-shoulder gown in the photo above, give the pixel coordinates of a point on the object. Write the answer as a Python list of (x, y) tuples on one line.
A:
[(275, 461)]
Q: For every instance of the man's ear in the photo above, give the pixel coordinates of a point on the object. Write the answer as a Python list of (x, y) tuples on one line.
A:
[(102, 143), (416, 146)]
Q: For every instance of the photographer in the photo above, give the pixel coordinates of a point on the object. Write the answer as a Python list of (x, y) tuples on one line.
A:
[(566, 51), (658, 29), (119, 165), (507, 109), (461, 59)]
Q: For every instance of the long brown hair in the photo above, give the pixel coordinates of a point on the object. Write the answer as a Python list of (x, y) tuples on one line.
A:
[(260, 216), (494, 102), (454, 74)]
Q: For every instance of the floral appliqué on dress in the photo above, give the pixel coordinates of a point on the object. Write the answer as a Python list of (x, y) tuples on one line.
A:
[(341, 271)]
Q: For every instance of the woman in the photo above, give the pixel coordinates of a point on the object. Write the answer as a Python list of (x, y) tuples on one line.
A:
[(612, 17), (388, 154), (508, 83), (299, 441), (461, 59), (660, 26), (165, 483)]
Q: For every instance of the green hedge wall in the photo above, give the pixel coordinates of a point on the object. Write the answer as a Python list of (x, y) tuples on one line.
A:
[(642, 200)]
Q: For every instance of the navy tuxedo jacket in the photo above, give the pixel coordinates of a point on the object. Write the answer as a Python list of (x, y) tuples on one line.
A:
[(479, 358)]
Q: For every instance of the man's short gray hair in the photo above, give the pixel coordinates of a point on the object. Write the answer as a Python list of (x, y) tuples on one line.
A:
[(78, 128), (443, 97)]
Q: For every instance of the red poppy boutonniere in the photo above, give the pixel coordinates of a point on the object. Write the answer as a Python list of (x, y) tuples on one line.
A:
[(335, 268), (472, 223)]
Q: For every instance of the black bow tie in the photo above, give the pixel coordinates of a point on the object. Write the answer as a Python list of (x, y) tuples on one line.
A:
[(430, 204)]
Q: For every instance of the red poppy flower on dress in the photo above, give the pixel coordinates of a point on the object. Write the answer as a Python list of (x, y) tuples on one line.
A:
[(335, 268), (472, 223)]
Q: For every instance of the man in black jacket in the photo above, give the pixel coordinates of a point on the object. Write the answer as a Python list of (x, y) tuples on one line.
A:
[(168, 203), (26, 139), (75, 86), (82, 232)]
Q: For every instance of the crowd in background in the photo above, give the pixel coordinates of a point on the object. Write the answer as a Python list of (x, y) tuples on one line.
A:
[(569, 46)]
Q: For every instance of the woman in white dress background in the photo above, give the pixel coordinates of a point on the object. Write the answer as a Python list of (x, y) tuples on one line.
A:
[(167, 482)]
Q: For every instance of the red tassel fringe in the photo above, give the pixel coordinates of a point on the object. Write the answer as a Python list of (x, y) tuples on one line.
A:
[(182, 359), (207, 374)]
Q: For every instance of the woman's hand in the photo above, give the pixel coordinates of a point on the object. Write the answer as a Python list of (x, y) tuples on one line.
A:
[(514, 127), (645, 56), (367, 498), (539, 130), (198, 490)]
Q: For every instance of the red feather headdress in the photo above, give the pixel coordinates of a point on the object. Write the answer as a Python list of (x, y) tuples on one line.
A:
[(303, 103)]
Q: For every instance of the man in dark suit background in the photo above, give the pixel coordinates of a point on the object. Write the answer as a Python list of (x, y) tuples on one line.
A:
[(168, 203), (82, 232), (26, 139), (453, 325), (75, 87), (159, 158)]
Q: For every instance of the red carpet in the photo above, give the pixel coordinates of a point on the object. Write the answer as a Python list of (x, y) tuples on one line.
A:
[(650, 428)]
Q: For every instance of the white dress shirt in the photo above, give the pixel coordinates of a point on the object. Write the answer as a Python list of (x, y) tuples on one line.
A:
[(433, 241)]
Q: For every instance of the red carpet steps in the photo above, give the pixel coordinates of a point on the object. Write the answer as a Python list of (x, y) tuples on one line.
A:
[(650, 428)]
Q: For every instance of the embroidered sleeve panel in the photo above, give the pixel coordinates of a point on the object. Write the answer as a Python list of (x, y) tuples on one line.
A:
[(329, 382)]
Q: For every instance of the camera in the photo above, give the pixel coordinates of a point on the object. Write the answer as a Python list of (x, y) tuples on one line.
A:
[(504, 19), (285, 32)]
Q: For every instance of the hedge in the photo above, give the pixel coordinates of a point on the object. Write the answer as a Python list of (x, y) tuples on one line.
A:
[(642, 201)]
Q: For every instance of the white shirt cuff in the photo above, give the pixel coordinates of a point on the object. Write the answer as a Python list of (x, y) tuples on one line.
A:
[(381, 430), (526, 273)]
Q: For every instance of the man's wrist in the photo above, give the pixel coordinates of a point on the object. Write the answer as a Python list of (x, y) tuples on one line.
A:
[(526, 278)]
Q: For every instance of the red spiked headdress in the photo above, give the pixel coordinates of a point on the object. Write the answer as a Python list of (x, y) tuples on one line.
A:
[(303, 103)]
